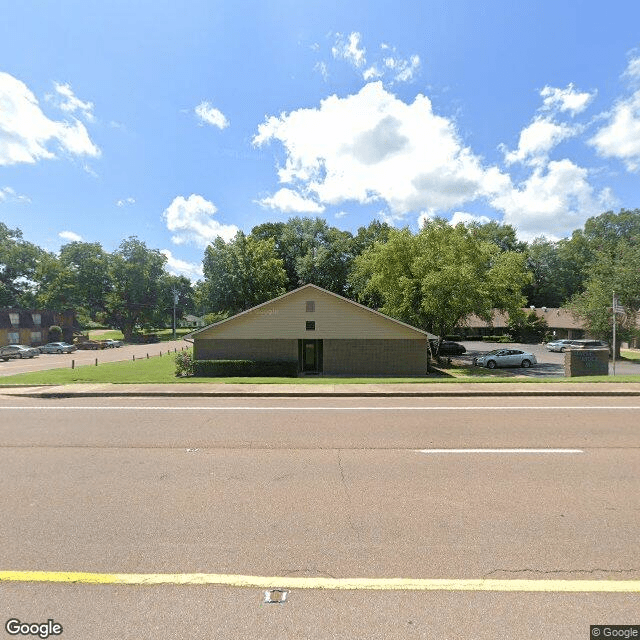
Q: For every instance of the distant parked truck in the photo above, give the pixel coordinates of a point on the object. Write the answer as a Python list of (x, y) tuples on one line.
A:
[(83, 342)]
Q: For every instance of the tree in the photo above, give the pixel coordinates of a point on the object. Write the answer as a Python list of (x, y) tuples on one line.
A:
[(163, 313), (18, 265), (612, 272), (241, 274), (311, 251), (555, 276), (502, 235), (439, 276), (136, 273), (78, 279), (527, 327)]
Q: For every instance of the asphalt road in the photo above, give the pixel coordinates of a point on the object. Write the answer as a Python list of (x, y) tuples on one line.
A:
[(306, 488), (81, 357)]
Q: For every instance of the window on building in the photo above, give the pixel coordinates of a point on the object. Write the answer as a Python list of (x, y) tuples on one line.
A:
[(15, 319), (14, 337), (37, 319), (311, 306), (36, 336), (311, 325)]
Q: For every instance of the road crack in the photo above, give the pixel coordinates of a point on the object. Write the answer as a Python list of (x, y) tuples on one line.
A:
[(343, 482), (560, 571)]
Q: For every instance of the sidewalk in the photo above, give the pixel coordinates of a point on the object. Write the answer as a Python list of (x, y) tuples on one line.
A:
[(204, 390)]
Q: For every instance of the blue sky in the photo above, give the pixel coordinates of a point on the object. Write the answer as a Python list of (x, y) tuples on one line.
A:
[(179, 121)]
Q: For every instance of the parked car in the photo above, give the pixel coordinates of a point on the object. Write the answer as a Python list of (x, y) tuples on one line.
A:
[(588, 344), (448, 348), (113, 344), (17, 351), (58, 347), (505, 358), (558, 345)]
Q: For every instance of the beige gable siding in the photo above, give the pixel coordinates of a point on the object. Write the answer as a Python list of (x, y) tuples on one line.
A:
[(334, 318)]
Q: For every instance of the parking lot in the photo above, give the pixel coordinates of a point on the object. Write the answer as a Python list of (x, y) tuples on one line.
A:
[(550, 364), (47, 361)]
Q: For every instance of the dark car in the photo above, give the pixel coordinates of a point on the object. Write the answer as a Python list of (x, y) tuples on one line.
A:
[(447, 348)]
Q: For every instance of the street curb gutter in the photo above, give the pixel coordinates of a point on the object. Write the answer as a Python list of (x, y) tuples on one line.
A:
[(338, 394)]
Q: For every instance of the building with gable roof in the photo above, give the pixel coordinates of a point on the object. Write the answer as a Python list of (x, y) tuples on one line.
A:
[(321, 331)]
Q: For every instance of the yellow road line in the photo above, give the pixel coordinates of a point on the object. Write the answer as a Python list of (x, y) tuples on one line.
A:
[(283, 582)]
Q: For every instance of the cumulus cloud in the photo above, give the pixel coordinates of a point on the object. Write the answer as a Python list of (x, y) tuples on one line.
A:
[(125, 201), (553, 201), (289, 201), (373, 147), (538, 139), (620, 136), (191, 220), (25, 131), (178, 267), (70, 236), (348, 48), (462, 217), (68, 102), (567, 99), (210, 115)]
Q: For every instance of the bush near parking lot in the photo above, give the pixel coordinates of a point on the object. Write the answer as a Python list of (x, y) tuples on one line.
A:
[(500, 339), (244, 368)]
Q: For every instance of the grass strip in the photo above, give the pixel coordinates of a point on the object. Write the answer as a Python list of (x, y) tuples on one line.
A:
[(158, 370)]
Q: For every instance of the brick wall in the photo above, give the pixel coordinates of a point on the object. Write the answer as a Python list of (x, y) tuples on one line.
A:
[(586, 362), (375, 357), (274, 349)]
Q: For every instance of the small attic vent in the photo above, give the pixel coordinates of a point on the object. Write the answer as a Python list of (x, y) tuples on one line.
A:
[(311, 306)]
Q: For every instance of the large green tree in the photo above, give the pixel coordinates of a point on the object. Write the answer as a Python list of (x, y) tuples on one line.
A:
[(19, 261), (136, 273), (311, 251), (79, 279), (442, 274), (241, 274)]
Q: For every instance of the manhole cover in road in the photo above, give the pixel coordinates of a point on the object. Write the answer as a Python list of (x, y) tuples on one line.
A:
[(275, 596)]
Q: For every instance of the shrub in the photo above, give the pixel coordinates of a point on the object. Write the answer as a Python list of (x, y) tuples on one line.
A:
[(55, 333), (184, 364), (501, 338), (244, 368)]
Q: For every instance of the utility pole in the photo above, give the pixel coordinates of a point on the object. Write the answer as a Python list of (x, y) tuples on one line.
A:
[(175, 302), (613, 311)]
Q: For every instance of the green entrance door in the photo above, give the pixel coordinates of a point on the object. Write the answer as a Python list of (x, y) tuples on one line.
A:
[(311, 356)]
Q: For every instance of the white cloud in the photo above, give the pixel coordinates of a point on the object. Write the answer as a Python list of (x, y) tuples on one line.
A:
[(191, 220), (620, 137), (403, 70), (372, 146), (537, 140), (179, 267), (567, 99), (210, 115), (322, 69), (70, 236), (552, 201), (633, 69), (8, 193), (289, 201), (125, 201), (462, 217), (372, 73), (340, 214), (349, 49), (68, 102), (25, 131)]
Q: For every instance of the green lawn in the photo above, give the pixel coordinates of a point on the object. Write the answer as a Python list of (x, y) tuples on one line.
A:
[(630, 354), (161, 370), (163, 334)]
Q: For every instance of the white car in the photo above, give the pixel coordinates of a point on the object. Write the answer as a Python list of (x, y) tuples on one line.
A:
[(505, 358), (558, 345)]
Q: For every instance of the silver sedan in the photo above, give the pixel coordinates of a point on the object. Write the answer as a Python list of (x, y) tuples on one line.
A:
[(505, 358)]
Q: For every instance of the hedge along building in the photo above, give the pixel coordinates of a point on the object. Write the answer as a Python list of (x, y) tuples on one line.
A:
[(321, 331)]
